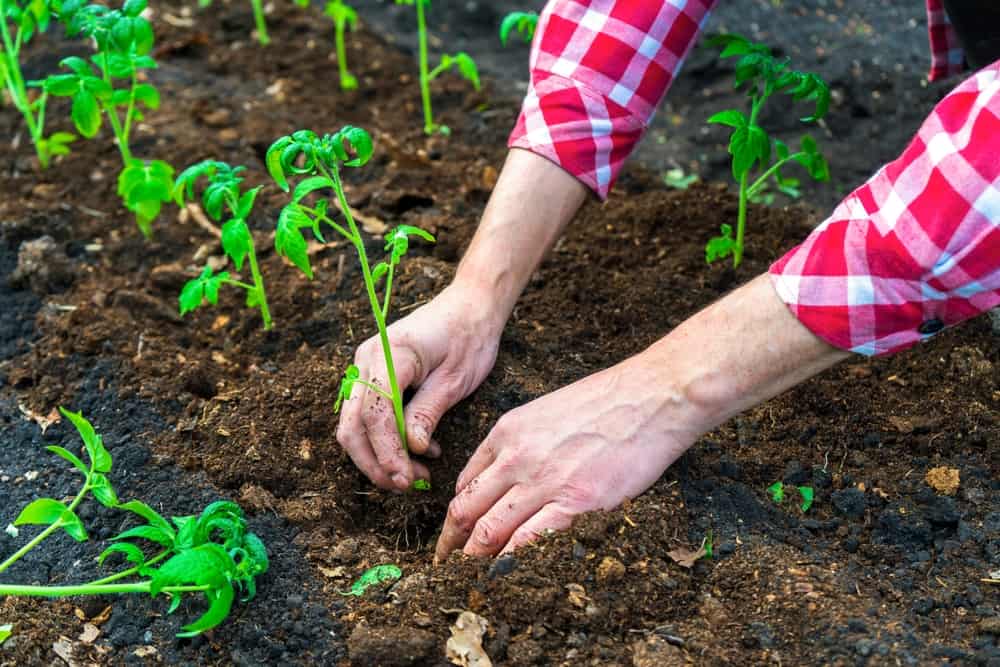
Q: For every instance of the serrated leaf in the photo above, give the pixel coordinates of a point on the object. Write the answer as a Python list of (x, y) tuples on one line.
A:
[(41, 512), (288, 239), (273, 161), (310, 185), (360, 143), (133, 554), (236, 241), (245, 204), (524, 22), (719, 247), (467, 67), (148, 95), (742, 151), (206, 564), (220, 603), (147, 532), (69, 456), (730, 117), (777, 491), (351, 375), (153, 517), (807, 494)]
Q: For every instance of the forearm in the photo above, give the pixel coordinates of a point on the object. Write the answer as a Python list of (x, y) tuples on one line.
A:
[(531, 205), (734, 354)]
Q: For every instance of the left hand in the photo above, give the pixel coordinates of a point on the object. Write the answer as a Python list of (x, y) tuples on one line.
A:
[(585, 447)]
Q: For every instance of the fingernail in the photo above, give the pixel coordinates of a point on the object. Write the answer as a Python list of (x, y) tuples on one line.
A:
[(399, 479)]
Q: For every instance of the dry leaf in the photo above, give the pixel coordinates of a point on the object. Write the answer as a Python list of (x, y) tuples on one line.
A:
[(63, 647), (943, 480), (334, 572), (577, 595), (90, 633), (44, 422), (686, 557), (465, 646)]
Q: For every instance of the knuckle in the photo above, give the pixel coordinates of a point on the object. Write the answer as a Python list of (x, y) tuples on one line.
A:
[(487, 533), (579, 494), (458, 513)]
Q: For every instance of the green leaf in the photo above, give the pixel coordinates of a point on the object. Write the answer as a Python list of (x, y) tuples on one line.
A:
[(85, 113), (677, 179), (133, 554), (421, 485), (71, 457), (743, 152), (134, 7), (236, 241), (41, 512), (373, 577), (360, 143), (397, 241), (153, 517), (203, 288), (245, 203), (524, 22), (351, 376), (777, 491), (151, 533), (220, 603), (103, 491), (148, 95), (99, 456), (310, 185), (378, 271), (467, 67), (206, 564), (273, 161), (760, 144), (288, 239), (6, 630), (807, 494), (61, 85), (719, 247), (730, 117), (145, 187)]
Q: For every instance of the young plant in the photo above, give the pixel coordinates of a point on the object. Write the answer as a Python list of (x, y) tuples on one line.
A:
[(258, 17), (344, 17), (777, 493), (223, 192), (209, 554), (463, 61), (750, 145), (123, 39), (320, 160), (19, 22), (524, 23)]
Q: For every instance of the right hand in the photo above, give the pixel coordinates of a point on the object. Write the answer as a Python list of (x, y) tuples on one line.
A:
[(445, 350)]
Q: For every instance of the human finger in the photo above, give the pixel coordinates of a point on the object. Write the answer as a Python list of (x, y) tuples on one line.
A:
[(550, 517)]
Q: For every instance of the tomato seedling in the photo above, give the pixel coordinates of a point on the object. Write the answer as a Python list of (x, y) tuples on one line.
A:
[(258, 17), (19, 22), (123, 40), (524, 23), (320, 160), (209, 554), (344, 17), (463, 61), (777, 493), (750, 145), (223, 192)]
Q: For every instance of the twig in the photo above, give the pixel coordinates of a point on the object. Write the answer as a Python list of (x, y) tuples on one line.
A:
[(199, 218)]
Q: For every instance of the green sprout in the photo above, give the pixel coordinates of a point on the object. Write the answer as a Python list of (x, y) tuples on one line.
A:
[(750, 145), (223, 192), (777, 493), (344, 17), (258, 16), (373, 577), (678, 180), (19, 22), (124, 40), (6, 630), (524, 23), (320, 159), (209, 553), (463, 61)]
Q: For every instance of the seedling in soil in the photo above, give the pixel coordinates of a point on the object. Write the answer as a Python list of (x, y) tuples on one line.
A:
[(320, 159), (678, 180), (463, 61), (5, 632), (223, 192), (123, 40), (524, 23), (751, 146), (344, 17), (19, 22), (373, 577), (258, 17), (210, 553), (777, 493)]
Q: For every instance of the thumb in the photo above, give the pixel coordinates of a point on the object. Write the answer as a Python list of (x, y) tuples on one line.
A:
[(435, 397)]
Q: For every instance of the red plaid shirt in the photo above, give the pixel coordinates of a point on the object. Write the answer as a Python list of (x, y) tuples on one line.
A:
[(913, 250)]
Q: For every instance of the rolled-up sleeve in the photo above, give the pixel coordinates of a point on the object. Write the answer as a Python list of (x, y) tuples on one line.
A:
[(599, 68), (917, 247)]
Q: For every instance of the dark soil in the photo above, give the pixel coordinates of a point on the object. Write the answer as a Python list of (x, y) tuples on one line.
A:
[(881, 570)]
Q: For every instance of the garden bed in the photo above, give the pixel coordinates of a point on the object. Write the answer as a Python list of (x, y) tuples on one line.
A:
[(882, 568)]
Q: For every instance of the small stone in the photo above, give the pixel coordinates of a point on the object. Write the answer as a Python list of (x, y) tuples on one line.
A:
[(655, 651), (579, 551), (502, 566), (42, 266), (229, 135), (923, 606), (610, 570)]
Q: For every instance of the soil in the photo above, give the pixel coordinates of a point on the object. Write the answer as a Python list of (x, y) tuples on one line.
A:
[(882, 569)]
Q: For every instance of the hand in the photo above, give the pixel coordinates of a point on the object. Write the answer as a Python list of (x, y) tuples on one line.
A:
[(586, 447), (609, 436), (445, 349)]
